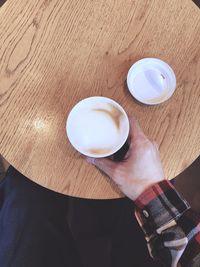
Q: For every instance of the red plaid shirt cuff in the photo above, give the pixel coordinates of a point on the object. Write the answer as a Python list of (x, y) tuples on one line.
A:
[(159, 207)]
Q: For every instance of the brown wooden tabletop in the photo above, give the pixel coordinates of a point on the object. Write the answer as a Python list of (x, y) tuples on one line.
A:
[(54, 53)]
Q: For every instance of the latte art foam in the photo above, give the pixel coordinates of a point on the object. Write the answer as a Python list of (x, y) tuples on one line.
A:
[(114, 115)]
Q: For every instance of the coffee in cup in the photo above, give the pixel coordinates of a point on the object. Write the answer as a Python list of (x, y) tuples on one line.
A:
[(97, 127)]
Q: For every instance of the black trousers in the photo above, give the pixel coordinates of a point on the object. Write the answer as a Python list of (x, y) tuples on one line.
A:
[(41, 228)]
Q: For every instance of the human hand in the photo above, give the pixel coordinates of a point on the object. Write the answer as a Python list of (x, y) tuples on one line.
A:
[(141, 168)]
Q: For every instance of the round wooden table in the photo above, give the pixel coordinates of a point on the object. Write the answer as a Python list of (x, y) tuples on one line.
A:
[(55, 53)]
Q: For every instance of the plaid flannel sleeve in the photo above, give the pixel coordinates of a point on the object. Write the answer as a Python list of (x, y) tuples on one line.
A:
[(171, 228)]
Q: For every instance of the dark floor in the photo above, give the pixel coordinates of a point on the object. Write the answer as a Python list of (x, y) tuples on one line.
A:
[(188, 183), (197, 2), (2, 2), (2, 169), (103, 228)]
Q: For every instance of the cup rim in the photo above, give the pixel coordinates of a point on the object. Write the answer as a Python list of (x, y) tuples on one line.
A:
[(125, 136)]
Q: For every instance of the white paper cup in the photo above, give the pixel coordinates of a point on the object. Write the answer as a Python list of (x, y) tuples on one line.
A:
[(97, 127), (151, 81)]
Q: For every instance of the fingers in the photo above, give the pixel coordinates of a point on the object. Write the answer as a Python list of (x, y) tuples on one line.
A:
[(135, 130), (156, 145), (106, 165), (136, 134)]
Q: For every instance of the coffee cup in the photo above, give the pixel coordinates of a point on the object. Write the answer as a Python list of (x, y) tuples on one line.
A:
[(97, 127)]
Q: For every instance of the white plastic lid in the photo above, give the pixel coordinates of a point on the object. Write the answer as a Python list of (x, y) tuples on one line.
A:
[(151, 81)]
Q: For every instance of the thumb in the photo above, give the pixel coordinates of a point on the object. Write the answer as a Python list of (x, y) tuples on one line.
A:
[(135, 130), (106, 165), (136, 135)]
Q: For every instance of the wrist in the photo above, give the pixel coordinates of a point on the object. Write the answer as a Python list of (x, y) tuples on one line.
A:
[(160, 206), (144, 186)]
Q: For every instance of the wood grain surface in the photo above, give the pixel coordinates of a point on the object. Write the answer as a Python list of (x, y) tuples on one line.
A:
[(54, 53)]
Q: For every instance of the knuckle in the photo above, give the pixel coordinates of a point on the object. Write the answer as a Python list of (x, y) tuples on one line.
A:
[(149, 147)]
